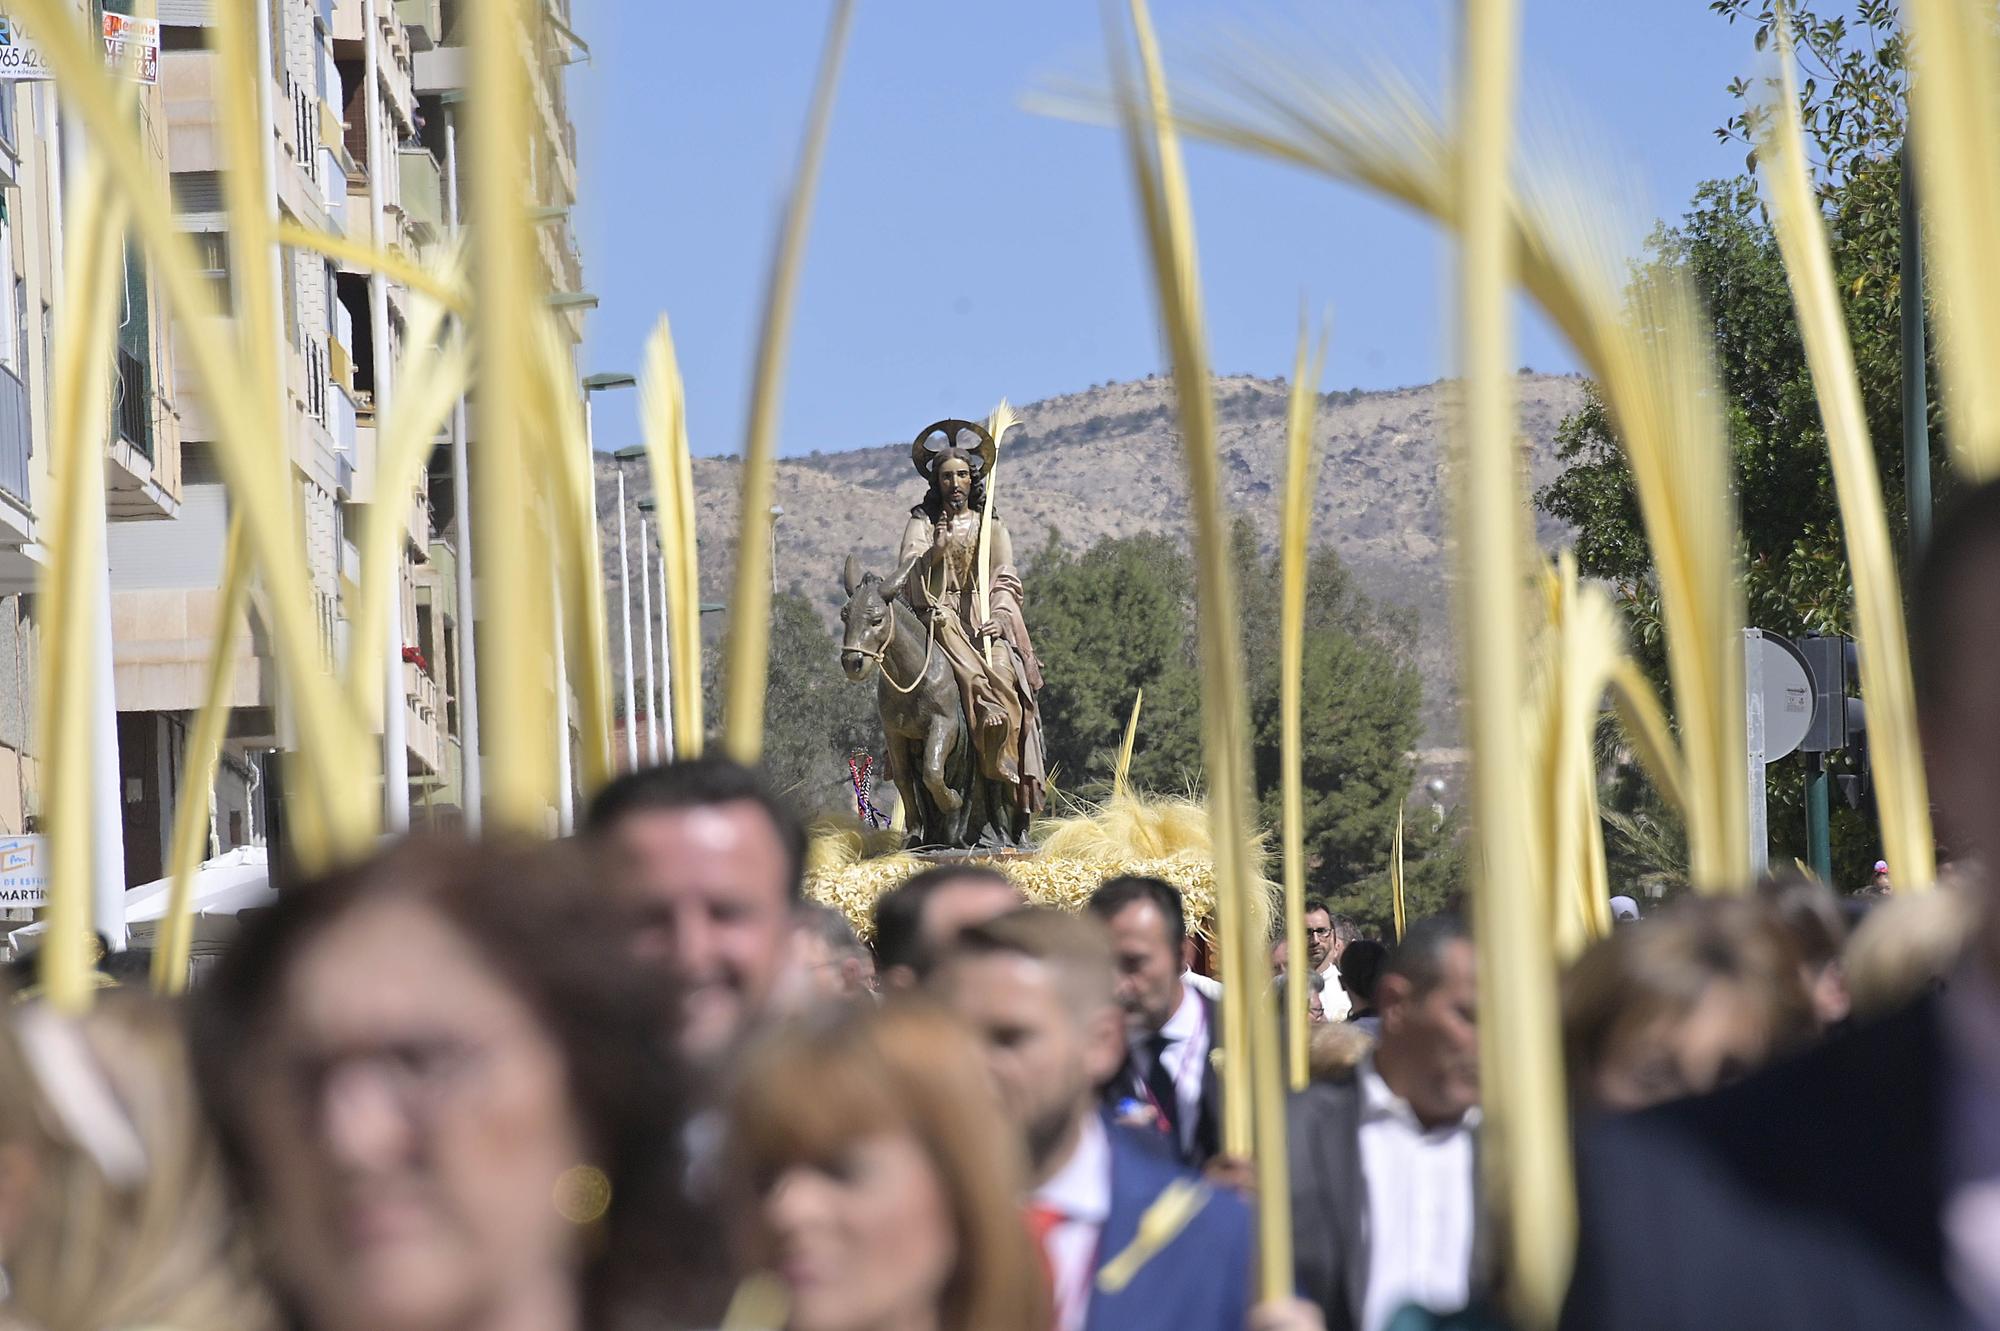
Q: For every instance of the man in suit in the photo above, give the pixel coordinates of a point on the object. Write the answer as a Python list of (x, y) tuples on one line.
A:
[(1384, 1158), (1037, 987), (1859, 1184), (1169, 1082)]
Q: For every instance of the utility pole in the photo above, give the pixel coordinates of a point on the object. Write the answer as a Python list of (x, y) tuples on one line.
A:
[(1819, 818)]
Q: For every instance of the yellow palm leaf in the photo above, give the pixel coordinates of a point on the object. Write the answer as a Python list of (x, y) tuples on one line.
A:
[(1294, 553), (1253, 1095), (1525, 1134), (664, 410), (1903, 798), (1955, 106), (748, 663)]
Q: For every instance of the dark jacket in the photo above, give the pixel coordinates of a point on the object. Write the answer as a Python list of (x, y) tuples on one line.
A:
[(1201, 1280), (1130, 1084), (1330, 1242), (1807, 1197)]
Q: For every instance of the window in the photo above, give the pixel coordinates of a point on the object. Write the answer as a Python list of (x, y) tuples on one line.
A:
[(212, 254), (21, 328), (8, 128)]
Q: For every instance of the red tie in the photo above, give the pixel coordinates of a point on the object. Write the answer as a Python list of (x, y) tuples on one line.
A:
[(1042, 1222)]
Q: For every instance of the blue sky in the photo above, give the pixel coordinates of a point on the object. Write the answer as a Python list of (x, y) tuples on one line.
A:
[(964, 248)]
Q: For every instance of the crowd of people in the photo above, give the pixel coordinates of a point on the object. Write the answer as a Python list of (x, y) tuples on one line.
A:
[(637, 1080)]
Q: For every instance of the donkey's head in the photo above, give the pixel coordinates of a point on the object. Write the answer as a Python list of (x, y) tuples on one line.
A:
[(868, 620)]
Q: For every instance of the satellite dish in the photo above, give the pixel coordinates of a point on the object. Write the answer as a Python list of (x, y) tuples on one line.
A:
[(1787, 690)]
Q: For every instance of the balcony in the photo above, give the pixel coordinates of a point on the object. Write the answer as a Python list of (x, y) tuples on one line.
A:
[(421, 19), (16, 437)]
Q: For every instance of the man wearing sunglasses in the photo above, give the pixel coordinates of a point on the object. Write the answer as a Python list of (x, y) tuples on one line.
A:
[(1325, 941)]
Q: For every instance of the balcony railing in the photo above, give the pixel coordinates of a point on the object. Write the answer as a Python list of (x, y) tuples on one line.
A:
[(135, 416), (16, 435)]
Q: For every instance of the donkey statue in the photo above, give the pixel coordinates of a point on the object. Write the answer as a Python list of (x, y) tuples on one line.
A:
[(930, 752)]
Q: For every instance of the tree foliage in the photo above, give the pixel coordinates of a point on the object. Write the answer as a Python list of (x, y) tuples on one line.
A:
[(1120, 617), (814, 717)]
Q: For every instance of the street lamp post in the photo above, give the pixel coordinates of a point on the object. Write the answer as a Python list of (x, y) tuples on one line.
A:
[(646, 637), (598, 383), (663, 703)]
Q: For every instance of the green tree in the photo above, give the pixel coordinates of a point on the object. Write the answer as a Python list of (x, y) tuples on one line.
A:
[(1120, 617), (814, 717), (1107, 623)]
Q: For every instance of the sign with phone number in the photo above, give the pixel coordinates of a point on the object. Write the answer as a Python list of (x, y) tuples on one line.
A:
[(131, 46), (20, 59)]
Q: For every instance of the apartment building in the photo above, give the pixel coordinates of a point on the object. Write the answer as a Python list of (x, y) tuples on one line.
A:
[(143, 473), (336, 162), (165, 500), (439, 34)]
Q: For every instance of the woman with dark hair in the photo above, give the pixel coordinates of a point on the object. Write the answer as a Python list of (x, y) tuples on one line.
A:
[(444, 1092), (873, 1172)]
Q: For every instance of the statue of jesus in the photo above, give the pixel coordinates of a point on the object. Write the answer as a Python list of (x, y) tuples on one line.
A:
[(991, 655)]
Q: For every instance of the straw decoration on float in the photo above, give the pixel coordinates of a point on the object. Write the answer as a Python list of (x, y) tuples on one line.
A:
[(1295, 533), (1253, 1077), (1121, 771), (747, 659), (1954, 82), (663, 409), (1894, 748)]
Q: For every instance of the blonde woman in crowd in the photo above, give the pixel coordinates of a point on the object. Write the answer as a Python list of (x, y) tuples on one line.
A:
[(442, 1084), (1697, 996), (113, 1210), (873, 1174)]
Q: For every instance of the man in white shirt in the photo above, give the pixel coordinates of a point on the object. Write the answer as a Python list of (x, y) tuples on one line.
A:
[(1169, 1083), (1327, 936), (1384, 1161)]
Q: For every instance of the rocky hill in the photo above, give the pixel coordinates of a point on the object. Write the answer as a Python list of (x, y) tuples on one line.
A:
[(1106, 462)]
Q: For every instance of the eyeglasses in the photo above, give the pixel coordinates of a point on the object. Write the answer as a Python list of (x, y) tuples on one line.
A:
[(1326, 932)]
